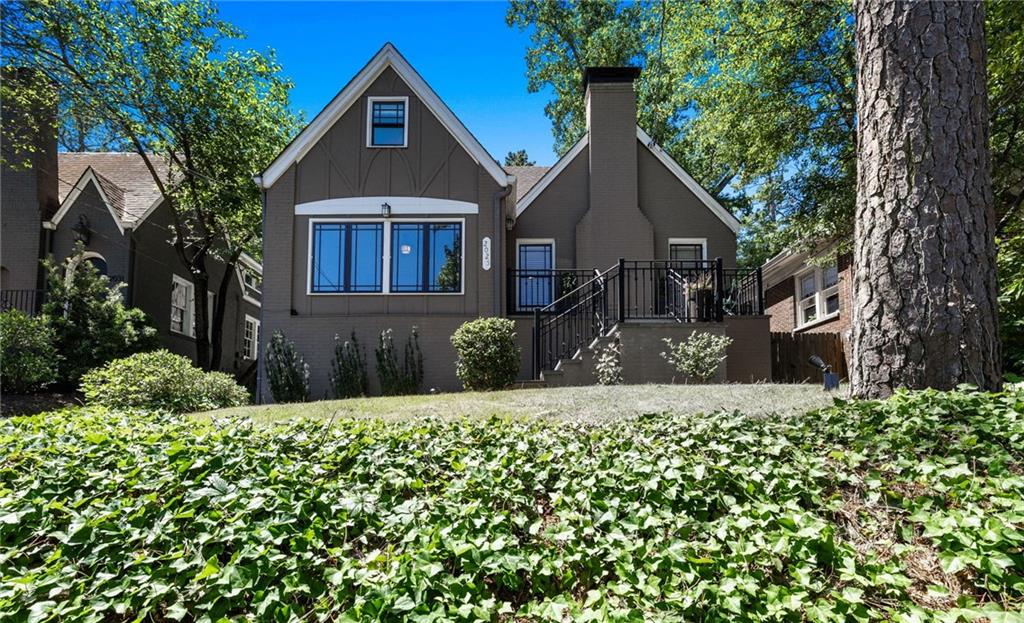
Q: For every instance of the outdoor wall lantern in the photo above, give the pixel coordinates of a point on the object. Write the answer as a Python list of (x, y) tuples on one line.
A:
[(81, 230), (830, 379), (385, 210)]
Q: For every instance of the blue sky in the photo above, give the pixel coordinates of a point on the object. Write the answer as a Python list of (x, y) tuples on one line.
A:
[(464, 50)]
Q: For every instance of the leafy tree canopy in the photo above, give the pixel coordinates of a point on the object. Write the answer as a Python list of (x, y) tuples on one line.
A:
[(166, 80), (756, 100)]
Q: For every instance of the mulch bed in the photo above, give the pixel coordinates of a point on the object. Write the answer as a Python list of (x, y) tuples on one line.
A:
[(29, 404)]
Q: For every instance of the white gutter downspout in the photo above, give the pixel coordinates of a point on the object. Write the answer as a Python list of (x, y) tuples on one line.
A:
[(499, 230)]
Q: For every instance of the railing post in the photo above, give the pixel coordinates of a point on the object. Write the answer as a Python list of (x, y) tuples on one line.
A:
[(760, 293), (621, 313), (536, 344), (719, 290)]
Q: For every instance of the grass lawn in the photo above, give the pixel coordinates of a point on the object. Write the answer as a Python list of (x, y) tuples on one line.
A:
[(583, 404)]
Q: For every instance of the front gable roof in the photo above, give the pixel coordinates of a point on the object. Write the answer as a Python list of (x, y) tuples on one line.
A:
[(388, 56), (110, 193), (122, 179), (704, 196)]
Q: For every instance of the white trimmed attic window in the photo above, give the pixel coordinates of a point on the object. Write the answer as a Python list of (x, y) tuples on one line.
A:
[(817, 295), (387, 122)]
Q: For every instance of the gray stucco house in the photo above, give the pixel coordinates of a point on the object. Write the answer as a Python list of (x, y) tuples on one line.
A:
[(109, 202), (386, 212)]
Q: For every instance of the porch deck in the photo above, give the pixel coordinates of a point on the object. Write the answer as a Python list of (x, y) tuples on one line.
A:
[(573, 308)]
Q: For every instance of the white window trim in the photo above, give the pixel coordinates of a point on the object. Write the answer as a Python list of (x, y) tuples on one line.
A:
[(255, 346), (386, 258), (521, 241), (554, 263), (820, 296), (369, 120), (703, 242), (187, 322)]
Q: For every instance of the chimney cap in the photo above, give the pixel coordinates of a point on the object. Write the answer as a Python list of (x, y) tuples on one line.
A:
[(609, 74)]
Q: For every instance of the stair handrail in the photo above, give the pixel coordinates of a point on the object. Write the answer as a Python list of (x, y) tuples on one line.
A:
[(587, 299)]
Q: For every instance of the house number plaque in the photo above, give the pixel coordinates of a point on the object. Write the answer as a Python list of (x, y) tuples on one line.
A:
[(485, 254)]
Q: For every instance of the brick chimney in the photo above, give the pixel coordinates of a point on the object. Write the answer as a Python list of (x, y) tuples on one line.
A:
[(614, 226)]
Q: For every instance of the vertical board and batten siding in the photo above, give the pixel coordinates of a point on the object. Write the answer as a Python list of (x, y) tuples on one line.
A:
[(791, 351), (340, 165)]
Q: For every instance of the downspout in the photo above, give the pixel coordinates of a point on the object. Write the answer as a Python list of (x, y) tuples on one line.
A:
[(498, 251), (260, 352), (129, 293)]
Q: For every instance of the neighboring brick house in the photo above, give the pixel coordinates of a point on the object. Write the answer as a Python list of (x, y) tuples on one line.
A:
[(826, 292), (386, 212), (110, 203)]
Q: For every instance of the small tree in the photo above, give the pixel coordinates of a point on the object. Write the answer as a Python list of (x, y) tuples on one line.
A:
[(91, 324), (395, 381), (348, 369), (287, 371), (699, 356), (488, 353)]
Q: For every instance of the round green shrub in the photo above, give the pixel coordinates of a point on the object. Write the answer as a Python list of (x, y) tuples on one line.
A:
[(160, 381), (29, 361), (488, 353)]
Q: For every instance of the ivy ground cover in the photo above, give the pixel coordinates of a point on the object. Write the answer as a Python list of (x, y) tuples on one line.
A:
[(908, 510)]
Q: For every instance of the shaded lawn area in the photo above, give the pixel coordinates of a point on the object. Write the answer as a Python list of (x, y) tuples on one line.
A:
[(583, 404)]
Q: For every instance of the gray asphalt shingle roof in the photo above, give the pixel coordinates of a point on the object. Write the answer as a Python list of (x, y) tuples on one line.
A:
[(123, 176)]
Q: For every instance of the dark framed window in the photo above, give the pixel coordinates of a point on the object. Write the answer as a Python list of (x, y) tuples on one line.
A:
[(536, 282), (686, 252), (426, 257), (346, 257), (387, 123)]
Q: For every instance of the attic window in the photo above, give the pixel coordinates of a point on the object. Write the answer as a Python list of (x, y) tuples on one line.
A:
[(387, 122)]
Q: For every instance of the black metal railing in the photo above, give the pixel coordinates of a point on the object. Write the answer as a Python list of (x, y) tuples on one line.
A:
[(742, 293), (572, 321), (685, 291), (679, 290), (27, 301), (530, 289)]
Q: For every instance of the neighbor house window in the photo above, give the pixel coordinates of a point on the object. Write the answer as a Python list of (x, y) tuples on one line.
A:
[(181, 305), (346, 257), (252, 280), (251, 337), (426, 257), (817, 294), (387, 122)]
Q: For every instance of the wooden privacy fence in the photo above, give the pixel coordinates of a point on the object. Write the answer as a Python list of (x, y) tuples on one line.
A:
[(790, 352)]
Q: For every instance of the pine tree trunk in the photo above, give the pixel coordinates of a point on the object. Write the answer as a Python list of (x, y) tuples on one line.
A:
[(924, 308)]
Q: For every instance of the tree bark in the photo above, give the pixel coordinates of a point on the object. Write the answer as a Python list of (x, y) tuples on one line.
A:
[(924, 301)]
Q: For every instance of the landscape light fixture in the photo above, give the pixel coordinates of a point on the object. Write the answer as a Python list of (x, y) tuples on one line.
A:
[(385, 209), (830, 380)]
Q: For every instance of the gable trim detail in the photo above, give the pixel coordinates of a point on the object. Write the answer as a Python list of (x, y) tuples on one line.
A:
[(87, 176), (705, 197), (551, 174), (388, 56)]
